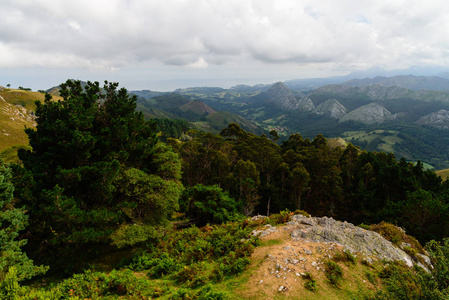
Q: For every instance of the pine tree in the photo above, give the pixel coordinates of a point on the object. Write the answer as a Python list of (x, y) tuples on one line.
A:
[(12, 221)]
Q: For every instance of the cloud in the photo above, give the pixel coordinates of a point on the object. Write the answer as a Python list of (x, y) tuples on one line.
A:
[(201, 33)]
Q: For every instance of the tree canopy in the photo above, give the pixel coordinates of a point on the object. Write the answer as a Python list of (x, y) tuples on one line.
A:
[(95, 166)]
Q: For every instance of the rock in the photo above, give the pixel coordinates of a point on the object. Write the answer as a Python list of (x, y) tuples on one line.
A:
[(426, 259), (353, 238), (258, 217)]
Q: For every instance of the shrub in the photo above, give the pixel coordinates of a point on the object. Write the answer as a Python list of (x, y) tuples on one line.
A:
[(301, 212), (345, 256), (310, 284), (334, 273), (280, 218)]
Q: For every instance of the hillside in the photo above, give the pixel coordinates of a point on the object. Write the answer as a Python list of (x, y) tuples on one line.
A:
[(16, 113)]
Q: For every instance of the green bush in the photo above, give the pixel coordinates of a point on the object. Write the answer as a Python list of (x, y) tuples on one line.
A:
[(334, 273), (345, 256), (310, 284), (209, 204), (97, 285), (280, 218), (198, 255)]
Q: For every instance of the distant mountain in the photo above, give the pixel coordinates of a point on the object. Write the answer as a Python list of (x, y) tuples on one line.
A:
[(438, 119), (331, 108), (280, 96), (372, 113), (199, 114), (405, 81), (147, 94), (377, 92)]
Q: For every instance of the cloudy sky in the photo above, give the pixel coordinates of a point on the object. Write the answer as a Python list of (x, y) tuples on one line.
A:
[(162, 45)]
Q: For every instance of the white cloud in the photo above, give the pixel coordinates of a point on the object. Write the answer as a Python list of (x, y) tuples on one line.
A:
[(328, 34)]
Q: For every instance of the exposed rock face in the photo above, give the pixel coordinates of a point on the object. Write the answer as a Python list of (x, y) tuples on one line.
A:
[(328, 231), (331, 108), (369, 114), (281, 96), (438, 119), (353, 238)]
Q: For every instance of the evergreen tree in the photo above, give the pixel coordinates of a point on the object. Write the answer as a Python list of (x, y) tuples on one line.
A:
[(12, 221), (92, 153)]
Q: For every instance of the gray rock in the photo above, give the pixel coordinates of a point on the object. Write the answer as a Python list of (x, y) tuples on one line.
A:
[(354, 239)]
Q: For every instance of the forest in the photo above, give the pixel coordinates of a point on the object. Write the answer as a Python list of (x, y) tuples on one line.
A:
[(99, 178)]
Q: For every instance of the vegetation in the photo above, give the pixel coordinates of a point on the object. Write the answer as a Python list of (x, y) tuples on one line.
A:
[(96, 179)]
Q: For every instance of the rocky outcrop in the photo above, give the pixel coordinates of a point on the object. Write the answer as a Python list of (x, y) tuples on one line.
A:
[(353, 238), (372, 113), (438, 119), (359, 241), (331, 108)]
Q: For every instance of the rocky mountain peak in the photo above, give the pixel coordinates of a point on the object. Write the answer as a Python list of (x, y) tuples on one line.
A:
[(282, 97), (331, 108), (368, 114), (438, 119)]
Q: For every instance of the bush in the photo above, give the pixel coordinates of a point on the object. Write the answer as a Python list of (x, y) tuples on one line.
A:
[(310, 284), (209, 204), (280, 218), (345, 256), (95, 285), (198, 255), (334, 273)]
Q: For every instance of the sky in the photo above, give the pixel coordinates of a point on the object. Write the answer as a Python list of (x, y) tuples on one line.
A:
[(164, 45)]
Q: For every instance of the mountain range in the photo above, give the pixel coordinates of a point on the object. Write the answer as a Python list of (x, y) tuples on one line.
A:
[(406, 115)]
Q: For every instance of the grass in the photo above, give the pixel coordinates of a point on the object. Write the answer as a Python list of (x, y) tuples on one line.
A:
[(444, 174), (15, 116)]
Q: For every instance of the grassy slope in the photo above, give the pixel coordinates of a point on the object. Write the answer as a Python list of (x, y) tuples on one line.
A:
[(15, 114), (444, 174)]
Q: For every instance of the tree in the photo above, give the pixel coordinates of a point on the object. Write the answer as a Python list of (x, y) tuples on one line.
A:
[(12, 221), (248, 180), (92, 157), (208, 204)]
